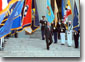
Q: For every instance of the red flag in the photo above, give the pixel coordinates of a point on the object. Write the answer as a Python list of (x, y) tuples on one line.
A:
[(27, 18), (0, 5)]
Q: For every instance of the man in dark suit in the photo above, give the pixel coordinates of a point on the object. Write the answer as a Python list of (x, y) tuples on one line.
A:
[(55, 31), (48, 35), (76, 39), (43, 27)]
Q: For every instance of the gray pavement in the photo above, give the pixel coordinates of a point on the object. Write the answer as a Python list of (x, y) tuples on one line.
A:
[(29, 47)]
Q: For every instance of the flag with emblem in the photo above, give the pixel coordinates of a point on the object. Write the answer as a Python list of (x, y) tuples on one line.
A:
[(76, 26), (17, 17), (26, 22), (50, 16), (6, 29), (35, 16), (68, 8)]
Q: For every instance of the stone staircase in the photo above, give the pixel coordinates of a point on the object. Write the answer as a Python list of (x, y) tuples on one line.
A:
[(36, 34)]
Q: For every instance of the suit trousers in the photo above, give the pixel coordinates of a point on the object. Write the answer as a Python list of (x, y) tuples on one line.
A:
[(43, 34), (55, 37), (48, 40), (76, 40)]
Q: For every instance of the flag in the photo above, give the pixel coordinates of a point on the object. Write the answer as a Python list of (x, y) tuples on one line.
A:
[(75, 20), (68, 8), (6, 29), (7, 14), (5, 4), (17, 18), (2, 17), (50, 16), (63, 9), (35, 20), (55, 13), (27, 18)]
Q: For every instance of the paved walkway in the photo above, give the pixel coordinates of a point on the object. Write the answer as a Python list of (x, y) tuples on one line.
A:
[(28, 47)]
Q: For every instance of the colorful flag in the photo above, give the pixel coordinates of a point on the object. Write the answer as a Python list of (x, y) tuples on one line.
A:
[(7, 14), (68, 8), (18, 18), (5, 4), (75, 20), (50, 16), (55, 12), (6, 29), (27, 18), (35, 20)]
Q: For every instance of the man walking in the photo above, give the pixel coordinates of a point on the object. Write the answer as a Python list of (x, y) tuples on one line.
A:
[(48, 35)]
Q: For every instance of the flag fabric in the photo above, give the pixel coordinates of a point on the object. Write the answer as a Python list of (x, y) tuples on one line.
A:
[(5, 4), (76, 26), (63, 9), (2, 17), (18, 18), (55, 13), (7, 14), (6, 29), (35, 20), (68, 10), (2, 7), (27, 18), (50, 16)]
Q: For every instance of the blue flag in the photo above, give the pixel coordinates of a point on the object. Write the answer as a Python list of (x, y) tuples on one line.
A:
[(6, 29), (75, 20), (2, 17), (50, 16), (18, 18), (8, 13), (63, 8), (35, 22)]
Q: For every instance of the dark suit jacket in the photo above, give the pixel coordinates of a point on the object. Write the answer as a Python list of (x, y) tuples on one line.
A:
[(57, 28), (43, 23)]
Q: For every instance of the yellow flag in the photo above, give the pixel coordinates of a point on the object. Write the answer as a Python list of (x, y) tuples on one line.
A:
[(55, 12)]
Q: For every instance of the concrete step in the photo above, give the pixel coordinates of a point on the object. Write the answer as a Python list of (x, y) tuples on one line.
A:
[(36, 34)]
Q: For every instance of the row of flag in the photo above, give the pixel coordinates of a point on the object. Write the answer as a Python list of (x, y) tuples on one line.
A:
[(18, 15), (66, 11)]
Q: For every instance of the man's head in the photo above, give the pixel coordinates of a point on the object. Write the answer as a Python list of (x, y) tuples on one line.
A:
[(43, 17)]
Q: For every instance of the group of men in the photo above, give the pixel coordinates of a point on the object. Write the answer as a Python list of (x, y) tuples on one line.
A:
[(59, 31)]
